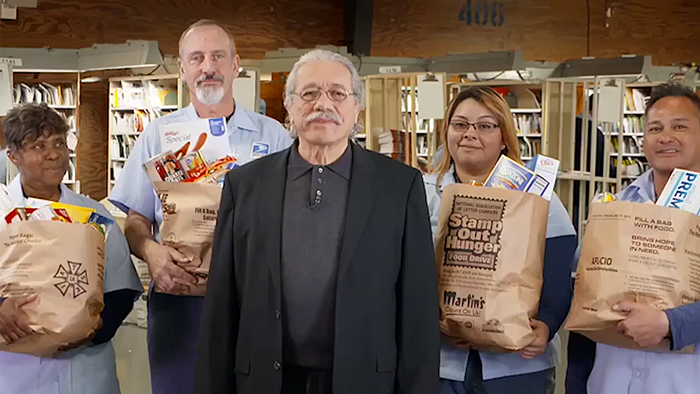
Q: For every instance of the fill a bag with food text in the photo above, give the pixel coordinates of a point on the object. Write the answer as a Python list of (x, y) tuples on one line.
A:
[(189, 219), (644, 253), (490, 251)]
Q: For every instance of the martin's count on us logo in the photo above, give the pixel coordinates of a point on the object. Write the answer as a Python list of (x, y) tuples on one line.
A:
[(72, 279)]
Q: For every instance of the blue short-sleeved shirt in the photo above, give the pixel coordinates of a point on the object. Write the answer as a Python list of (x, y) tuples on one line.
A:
[(251, 135), (453, 361)]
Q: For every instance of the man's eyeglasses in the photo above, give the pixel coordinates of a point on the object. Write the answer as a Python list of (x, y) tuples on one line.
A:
[(336, 94), (479, 127)]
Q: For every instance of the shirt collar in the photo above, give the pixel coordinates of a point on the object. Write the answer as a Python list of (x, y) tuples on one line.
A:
[(241, 118), (641, 190), (449, 178), (17, 193), (297, 166)]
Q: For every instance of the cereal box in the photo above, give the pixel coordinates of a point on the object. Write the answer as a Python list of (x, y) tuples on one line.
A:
[(507, 174), (681, 191)]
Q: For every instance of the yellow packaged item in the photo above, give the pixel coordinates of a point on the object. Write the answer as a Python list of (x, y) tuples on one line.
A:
[(77, 214), (604, 197)]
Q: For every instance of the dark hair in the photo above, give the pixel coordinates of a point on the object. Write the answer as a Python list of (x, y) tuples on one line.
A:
[(495, 103), (31, 121), (672, 89)]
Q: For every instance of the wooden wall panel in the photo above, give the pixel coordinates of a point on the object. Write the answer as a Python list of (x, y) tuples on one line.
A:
[(272, 92), (669, 30), (259, 26), (93, 124), (542, 29), (552, 30)]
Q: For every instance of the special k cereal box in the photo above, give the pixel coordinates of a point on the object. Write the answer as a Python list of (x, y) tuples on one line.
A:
[(207, 136)]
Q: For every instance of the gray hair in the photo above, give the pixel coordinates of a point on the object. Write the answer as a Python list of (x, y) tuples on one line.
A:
[(323, 55)]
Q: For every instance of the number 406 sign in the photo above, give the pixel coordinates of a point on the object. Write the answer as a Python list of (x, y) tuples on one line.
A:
[(481, 12)]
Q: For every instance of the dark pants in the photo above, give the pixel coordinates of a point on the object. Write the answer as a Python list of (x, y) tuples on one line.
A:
[(296, 380), (173, 329), (541, 382), (579, 363), (580, 358)]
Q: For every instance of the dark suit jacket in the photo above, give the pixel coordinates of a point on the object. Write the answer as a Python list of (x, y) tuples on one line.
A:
[(387, 335)]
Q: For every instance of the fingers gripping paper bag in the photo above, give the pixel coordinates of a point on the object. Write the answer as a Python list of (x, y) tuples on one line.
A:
[(63, 264), (490, 250), (189, 220), (637, 252)]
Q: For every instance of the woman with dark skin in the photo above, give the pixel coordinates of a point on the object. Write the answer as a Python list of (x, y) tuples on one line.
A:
[(36, 139)]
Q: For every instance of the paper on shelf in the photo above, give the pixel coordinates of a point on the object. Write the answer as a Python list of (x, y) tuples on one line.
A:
[(431, 97), (6, 100), (609, 103)]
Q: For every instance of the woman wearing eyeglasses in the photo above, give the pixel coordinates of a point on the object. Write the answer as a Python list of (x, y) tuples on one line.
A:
[(478, 129)]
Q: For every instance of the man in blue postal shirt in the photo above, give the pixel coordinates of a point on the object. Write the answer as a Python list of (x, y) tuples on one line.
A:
[(208, 64), (671, 140)]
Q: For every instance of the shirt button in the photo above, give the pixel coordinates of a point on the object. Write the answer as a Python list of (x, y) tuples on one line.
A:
[(320, 170), (277, 365), (320, 180), (318, 193), (277, 313)]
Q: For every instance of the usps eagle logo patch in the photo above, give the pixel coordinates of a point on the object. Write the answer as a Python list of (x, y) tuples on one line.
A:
[(259, 149)]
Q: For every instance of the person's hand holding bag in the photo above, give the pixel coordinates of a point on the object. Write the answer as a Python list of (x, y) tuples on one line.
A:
[(81, 342), (646, 325), (12, 324), (162, 262), (539, 345)]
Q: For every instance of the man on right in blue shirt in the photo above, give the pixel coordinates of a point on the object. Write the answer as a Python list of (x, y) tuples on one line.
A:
[(671, 140)]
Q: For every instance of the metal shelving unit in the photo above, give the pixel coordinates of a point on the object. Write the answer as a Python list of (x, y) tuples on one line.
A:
[(133, 103)]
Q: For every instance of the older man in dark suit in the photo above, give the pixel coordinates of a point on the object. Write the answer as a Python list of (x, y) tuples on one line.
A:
[(323, 273)]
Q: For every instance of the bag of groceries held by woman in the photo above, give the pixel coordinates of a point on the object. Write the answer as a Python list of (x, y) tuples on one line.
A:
[(489, 251), (187, 177), (645, 253), (54, 253)]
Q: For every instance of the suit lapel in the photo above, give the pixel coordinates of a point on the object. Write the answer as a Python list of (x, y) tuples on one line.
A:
[(360, 202), (270, 199)]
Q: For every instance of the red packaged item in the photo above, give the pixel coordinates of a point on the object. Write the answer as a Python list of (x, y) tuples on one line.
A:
[(165, 167), (194, 165), (18, 215), (63, 214)]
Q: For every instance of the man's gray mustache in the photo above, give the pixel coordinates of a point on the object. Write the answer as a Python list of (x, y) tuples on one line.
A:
[(324, 115)]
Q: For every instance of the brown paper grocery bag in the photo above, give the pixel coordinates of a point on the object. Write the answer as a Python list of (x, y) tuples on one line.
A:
[(63, 263), (489, 249), (639, 252), (189, 220)]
